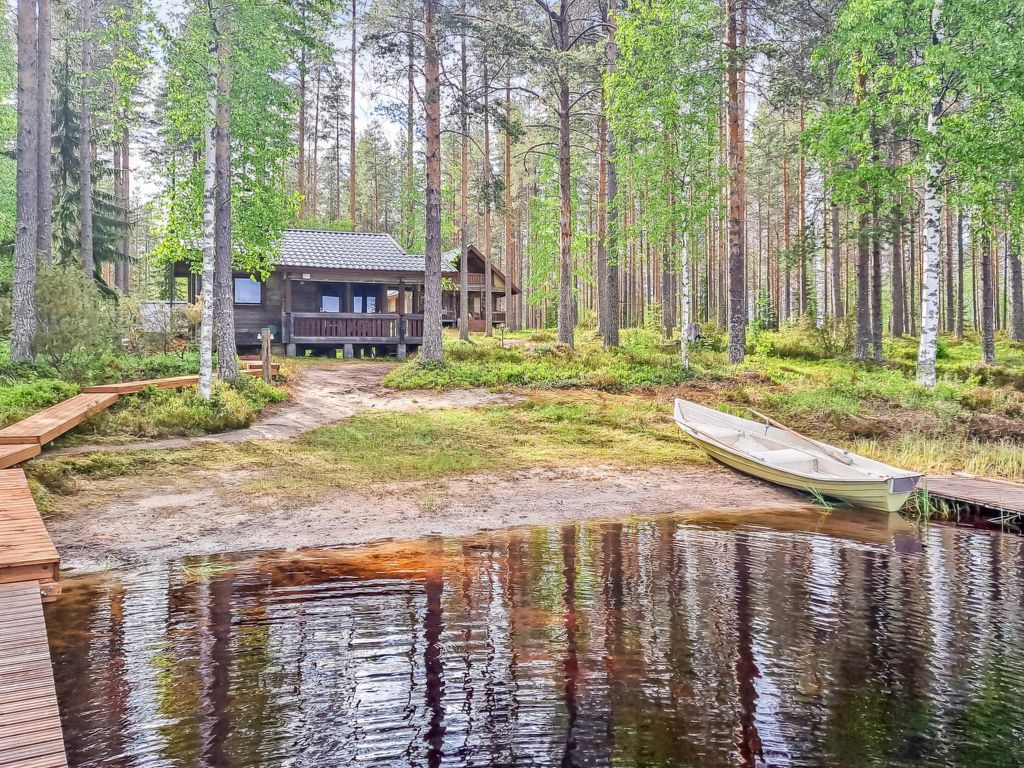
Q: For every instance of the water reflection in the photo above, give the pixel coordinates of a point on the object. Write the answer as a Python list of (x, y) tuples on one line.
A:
[(689, 641)]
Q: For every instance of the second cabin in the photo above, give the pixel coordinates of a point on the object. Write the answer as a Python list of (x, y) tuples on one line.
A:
[(354, 292)]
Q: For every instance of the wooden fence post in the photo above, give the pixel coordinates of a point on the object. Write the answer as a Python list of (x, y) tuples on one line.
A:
[(265, 353)]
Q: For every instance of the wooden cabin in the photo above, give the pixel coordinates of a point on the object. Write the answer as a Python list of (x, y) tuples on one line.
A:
[(501, 288), (357, 292)]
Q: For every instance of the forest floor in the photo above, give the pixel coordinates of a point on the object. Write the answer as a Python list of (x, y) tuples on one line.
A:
[(355, 455)]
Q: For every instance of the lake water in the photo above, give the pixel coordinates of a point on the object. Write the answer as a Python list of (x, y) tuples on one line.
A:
[(779, 639)]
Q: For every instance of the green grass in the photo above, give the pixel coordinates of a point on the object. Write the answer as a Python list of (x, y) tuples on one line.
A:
[(377, 448), (641, 362), (181, 412)]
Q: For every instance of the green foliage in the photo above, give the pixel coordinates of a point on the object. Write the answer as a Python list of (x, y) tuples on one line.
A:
[(164, 412), (22, 398), (76, 323), (639, 363), (262, 109)]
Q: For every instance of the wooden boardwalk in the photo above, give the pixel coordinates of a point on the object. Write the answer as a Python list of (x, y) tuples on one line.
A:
[(978, 493), (131, 387), (30, 731), (51, 423), (26, 550), (25, 439)]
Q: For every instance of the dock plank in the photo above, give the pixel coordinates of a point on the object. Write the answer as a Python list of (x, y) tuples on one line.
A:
[(30, 736), (17, 453), (131, 387), (998, 495), (50, 423), (26, 549)]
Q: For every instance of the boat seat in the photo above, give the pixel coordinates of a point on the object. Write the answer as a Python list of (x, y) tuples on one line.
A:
[(723, 434), (791, 458)]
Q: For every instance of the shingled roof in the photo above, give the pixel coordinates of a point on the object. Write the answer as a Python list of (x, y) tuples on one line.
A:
[(362, 251)]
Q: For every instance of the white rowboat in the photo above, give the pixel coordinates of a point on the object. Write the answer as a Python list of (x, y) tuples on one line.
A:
[(787, 458)]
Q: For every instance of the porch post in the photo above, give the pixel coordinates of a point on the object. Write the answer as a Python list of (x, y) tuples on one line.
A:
[(400, 306), (346, 297), (286, 319)]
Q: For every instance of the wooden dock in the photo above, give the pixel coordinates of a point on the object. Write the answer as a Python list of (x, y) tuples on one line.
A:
[(30, 731), (978, 494)]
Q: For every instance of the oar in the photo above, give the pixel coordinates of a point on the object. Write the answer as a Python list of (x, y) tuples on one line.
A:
[(835, 454)]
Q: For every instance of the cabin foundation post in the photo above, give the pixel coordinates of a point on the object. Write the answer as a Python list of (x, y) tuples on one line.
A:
[(348, 352), (289, 350), (401, 352)]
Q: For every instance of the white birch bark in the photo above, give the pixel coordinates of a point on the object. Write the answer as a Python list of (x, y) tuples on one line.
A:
[(932, 218), (819, 288), (684, 305), (209, 250)]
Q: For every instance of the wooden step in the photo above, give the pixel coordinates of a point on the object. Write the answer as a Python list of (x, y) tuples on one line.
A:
[(26, 550), (131, 387), (53, 422), (17, 453)]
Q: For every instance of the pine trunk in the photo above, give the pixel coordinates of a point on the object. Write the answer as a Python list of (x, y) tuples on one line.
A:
[(85, 146), (610, 296), (988, 301), (489, 186), (899, 308), (464, 183), (511, 320), (862, 337), (737, 258), (26, 232), (432, 349), (352, 123), (44, 192), (301, 164), (876, 286), (1016, 289)]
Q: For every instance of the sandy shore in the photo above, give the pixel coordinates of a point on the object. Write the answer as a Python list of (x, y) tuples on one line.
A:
[(164, 523)]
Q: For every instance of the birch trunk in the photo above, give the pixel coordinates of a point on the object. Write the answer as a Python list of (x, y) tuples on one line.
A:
[(26, 233), (85, 146), (432, 349), (932, 218), (684, 304), (838, 310), (227, 352), (209, 241)]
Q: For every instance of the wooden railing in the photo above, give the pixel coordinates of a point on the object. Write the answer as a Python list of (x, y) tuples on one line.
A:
[(353, 327)]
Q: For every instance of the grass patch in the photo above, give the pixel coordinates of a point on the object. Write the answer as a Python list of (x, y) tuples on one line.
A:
[(377, 448), (182, 412), (640, 363)]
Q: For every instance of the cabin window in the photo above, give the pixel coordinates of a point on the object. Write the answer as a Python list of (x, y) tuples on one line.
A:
[(330, 303), (248, 291)]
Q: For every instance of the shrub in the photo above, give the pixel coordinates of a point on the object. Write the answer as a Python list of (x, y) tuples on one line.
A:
[(76, 323), (20, 400)]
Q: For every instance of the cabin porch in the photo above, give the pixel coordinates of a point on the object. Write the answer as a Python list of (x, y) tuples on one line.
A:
[(369, 314)]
